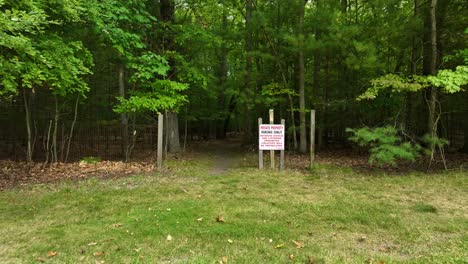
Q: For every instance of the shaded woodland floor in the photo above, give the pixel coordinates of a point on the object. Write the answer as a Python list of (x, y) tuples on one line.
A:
[(225, 154), (214, 206)]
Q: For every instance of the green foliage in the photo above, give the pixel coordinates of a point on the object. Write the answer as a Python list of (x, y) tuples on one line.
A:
[(434, 141), (385, 145), (153, 94), (33, 55), (450, 81), (90, 160)]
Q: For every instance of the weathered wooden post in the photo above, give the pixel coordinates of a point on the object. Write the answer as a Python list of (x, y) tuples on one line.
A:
[(260, 151), (283, 122), (272, 152), (160, 140), (312, 137)]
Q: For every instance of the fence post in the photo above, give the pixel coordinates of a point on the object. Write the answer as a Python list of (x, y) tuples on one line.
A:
[(282, 151), (160, 140), (312, 137), (272, 152), (260, 152)]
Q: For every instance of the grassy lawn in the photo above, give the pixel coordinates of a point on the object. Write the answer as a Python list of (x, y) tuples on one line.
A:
[(333, 215)]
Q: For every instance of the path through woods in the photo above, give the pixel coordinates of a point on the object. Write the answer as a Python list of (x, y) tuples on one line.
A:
[(226, 154)]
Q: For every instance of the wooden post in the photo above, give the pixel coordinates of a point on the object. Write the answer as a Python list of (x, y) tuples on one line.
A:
[(282, 151), (260, 152), (160, 140), (312, 137), (272, 152)]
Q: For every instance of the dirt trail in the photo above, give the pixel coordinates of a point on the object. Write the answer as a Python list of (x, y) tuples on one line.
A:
[(226, 155)]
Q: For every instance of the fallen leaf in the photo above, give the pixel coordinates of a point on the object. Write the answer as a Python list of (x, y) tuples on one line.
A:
[(298, 244), (169, 238), (51, 254), (200, 219), (82, 251), (311, 260), (137, 249), (92, 244), (99, 254), (224, 260), (220, 219), (279, 246), (362, 239), (230, 241), (41, 259), (117, 225), (291, 257)]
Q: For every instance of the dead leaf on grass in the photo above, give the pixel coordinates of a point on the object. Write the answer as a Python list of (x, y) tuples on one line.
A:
[(99, 254), (291, 257), (92, 244), (230, 241), (117, 225), (41, 259), (310, 260), (220, 219), (169, 238), (279, 246), (362, 239), (224, 260), (200, 219), (51, 254), (298, 244)]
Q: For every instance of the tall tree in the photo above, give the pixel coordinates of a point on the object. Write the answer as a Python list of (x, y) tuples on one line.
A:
[(301, 77)]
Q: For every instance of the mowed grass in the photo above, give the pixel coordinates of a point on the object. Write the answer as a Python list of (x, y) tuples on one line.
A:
[(333, 215)]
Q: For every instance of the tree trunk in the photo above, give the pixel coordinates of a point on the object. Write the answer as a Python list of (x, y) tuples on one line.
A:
[(223, 72), (301, 80), (173, 132), (247, 93), (54, 133), (414, 70), (433, 95), (465, 130), (28, 127), (123, 116), (72, 127)]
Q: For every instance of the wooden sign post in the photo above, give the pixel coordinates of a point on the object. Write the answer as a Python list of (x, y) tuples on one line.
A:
[(260, 151), (271, 137), (312, 138), (272, 152), (160, 140), (282, 151)]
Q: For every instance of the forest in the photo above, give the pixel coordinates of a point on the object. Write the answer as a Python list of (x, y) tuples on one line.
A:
[(131, 131), (88, 78)]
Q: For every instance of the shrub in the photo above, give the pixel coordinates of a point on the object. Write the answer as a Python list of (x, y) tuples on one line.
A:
[(385, 145)]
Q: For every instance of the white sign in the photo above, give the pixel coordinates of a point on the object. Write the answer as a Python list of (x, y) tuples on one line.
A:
[(271, 137)]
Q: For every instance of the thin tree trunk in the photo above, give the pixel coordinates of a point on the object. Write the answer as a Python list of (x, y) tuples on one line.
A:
[(433, 95), (248, 70), (123, 116), (414, 70), (54, 133), (72, 127), (28, 127), (301, 80), (48, 143)]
